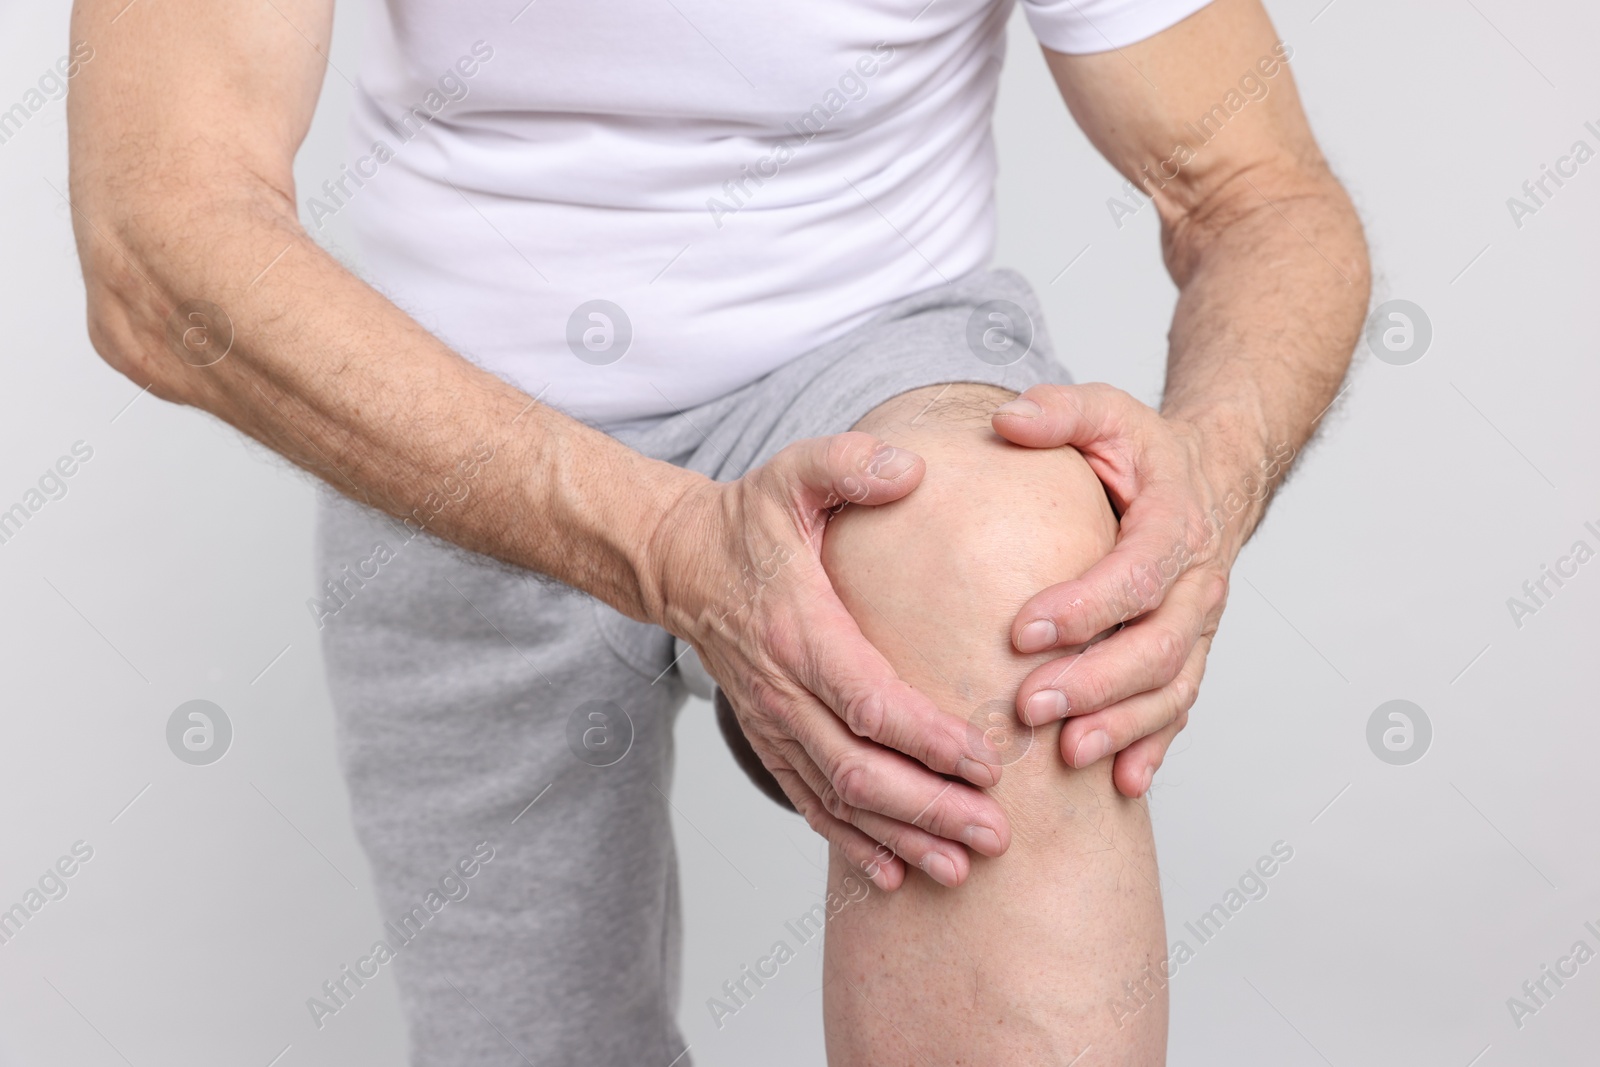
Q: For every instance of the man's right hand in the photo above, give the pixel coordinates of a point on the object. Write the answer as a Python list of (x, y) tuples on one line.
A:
[(190, 196), (738, 574)]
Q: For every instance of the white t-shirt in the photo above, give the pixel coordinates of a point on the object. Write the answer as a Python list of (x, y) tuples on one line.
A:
[(630, 208)]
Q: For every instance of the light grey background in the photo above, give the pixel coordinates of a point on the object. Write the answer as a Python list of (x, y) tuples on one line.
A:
[(1419, 897)]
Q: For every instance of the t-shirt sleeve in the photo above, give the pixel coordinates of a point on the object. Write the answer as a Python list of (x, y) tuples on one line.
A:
[(1079, 26)]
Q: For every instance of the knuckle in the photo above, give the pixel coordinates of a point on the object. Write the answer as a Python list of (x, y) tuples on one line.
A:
[(1184, 690), (851, 782), (864, 713), (1143, 588), (782, 645), (834, 804), (847, 452), (1217, 589), (1170, 652)]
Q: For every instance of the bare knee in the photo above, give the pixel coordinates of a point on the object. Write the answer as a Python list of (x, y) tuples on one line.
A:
[(935, 579), (1047, 933)]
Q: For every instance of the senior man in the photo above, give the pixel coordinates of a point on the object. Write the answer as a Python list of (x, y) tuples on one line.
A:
[(685, 307)]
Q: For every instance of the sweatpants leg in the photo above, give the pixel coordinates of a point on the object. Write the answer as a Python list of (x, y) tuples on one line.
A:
[(466, 692)]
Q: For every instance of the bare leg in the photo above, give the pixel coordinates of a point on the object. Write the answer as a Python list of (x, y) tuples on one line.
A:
[(1025, 964)]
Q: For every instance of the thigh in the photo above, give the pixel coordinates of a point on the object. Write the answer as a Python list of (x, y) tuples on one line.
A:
[(485, 725), (1035, 959)]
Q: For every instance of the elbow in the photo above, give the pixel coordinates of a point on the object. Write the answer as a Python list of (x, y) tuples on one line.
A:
[(130, 323), (107, 322), (157, 228), (1360, 255), (1293, 201), (1346, 235), (145, 274)]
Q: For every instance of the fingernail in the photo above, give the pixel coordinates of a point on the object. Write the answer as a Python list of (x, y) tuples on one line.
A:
[(1037, 636), (937, 865), (1091, 748), (1149, 775), (979, 774), (1047, 705), (1021, 407), (982, 839), (890, 463)]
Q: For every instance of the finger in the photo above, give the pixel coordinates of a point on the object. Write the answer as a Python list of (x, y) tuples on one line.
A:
[(861, 775), (852, 467), (1152, 550), (943, 861), (885, 870), (1089, 738), (1049, 416), (842, 668), (1143, 655), (1135, 766)]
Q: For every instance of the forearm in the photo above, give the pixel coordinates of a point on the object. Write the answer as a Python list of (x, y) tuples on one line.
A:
[(328, 373), (1274, 280)]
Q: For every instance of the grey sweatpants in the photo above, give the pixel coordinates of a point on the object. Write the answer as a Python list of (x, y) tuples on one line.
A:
[(483, 713)]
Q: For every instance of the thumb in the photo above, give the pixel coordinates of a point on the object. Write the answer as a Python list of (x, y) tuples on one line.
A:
[(1049, 416), (854, 468)]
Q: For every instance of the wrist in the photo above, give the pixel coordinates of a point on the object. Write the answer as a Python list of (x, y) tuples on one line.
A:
[(601, 512), (1241, 466), (664, 524)]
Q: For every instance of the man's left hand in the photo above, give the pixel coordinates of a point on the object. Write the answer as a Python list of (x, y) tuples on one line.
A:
[(1160, 592)]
